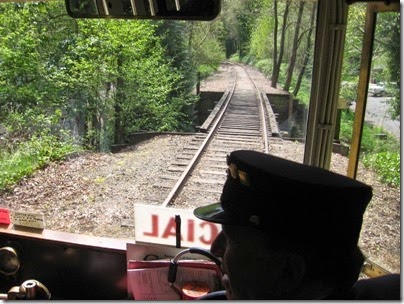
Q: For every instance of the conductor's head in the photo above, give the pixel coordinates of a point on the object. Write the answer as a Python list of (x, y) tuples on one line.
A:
[(290, 231)]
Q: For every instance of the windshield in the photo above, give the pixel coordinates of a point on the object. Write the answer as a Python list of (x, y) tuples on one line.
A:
[(96, 115)]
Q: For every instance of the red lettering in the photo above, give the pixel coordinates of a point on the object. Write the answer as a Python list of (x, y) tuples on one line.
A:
[(191, 228), (170, 229), (213, 233), (155, 227)]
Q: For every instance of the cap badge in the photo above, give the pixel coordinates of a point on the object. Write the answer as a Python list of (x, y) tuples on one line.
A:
[(244, 178), (241, 175), (233, 171)]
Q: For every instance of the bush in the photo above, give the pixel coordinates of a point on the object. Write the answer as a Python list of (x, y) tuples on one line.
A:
[(387, 165), (382, 155), (265, 66), (31, 155), (235, 58), (205, 70)]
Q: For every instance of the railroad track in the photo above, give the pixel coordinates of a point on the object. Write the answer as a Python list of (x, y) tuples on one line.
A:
[(242, 119)]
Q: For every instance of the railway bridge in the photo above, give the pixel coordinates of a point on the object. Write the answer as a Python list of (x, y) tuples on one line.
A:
[(289, 112)]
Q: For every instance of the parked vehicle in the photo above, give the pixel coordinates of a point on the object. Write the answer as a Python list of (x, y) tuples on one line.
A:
[(376, 89)]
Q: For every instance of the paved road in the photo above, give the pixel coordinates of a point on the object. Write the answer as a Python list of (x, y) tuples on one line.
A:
[(377, 113)]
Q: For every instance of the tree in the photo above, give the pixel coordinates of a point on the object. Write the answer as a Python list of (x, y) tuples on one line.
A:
[(292, 59), (282, 46), (31, 45), (275, 65), (277, 61), (386, 53), (105, 78), (239, 19), (308, 50), (388, 34)]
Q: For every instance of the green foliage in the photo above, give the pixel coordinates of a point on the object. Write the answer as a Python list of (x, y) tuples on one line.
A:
[(386, 61), (205, 47), (62, 77), (382, 155), (100, 74), (33, 154), (353, 43), (261, 38), (205, 70), (389, 29), (239, 20), (349, 89), (370, 139), (24, 125), (386, 53), (395, 101), (34, 140), (347, 119), (265, 66), (175, 44), (235, 58), (387, 165), (31, 35), (304, 92)]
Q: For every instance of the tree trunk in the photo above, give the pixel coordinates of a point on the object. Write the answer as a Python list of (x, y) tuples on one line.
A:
[(119, 128), (307, 52), (275, 74), (275, 50), (292, 61)]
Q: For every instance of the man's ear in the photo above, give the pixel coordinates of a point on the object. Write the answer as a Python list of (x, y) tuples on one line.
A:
[(292, 273)]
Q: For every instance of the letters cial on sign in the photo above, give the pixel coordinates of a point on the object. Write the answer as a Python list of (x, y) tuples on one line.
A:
[(158, 225)]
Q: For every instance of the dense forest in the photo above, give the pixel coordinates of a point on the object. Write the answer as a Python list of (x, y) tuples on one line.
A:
[(69, 84), (99, 79)]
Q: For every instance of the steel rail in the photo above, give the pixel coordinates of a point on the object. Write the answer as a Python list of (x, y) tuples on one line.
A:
[(179, 184), (262, 109), (213, 130)]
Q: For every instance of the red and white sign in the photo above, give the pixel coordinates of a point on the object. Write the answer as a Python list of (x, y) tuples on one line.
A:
[(157, 225), (5, 216)]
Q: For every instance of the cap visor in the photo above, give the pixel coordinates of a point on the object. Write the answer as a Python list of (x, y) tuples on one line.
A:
[(211, 213)]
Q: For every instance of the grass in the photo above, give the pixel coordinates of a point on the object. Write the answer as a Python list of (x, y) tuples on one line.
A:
[(29, 156), (379, 154)]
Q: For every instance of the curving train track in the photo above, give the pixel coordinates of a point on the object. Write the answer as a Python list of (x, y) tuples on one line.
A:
[(242, 119)]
